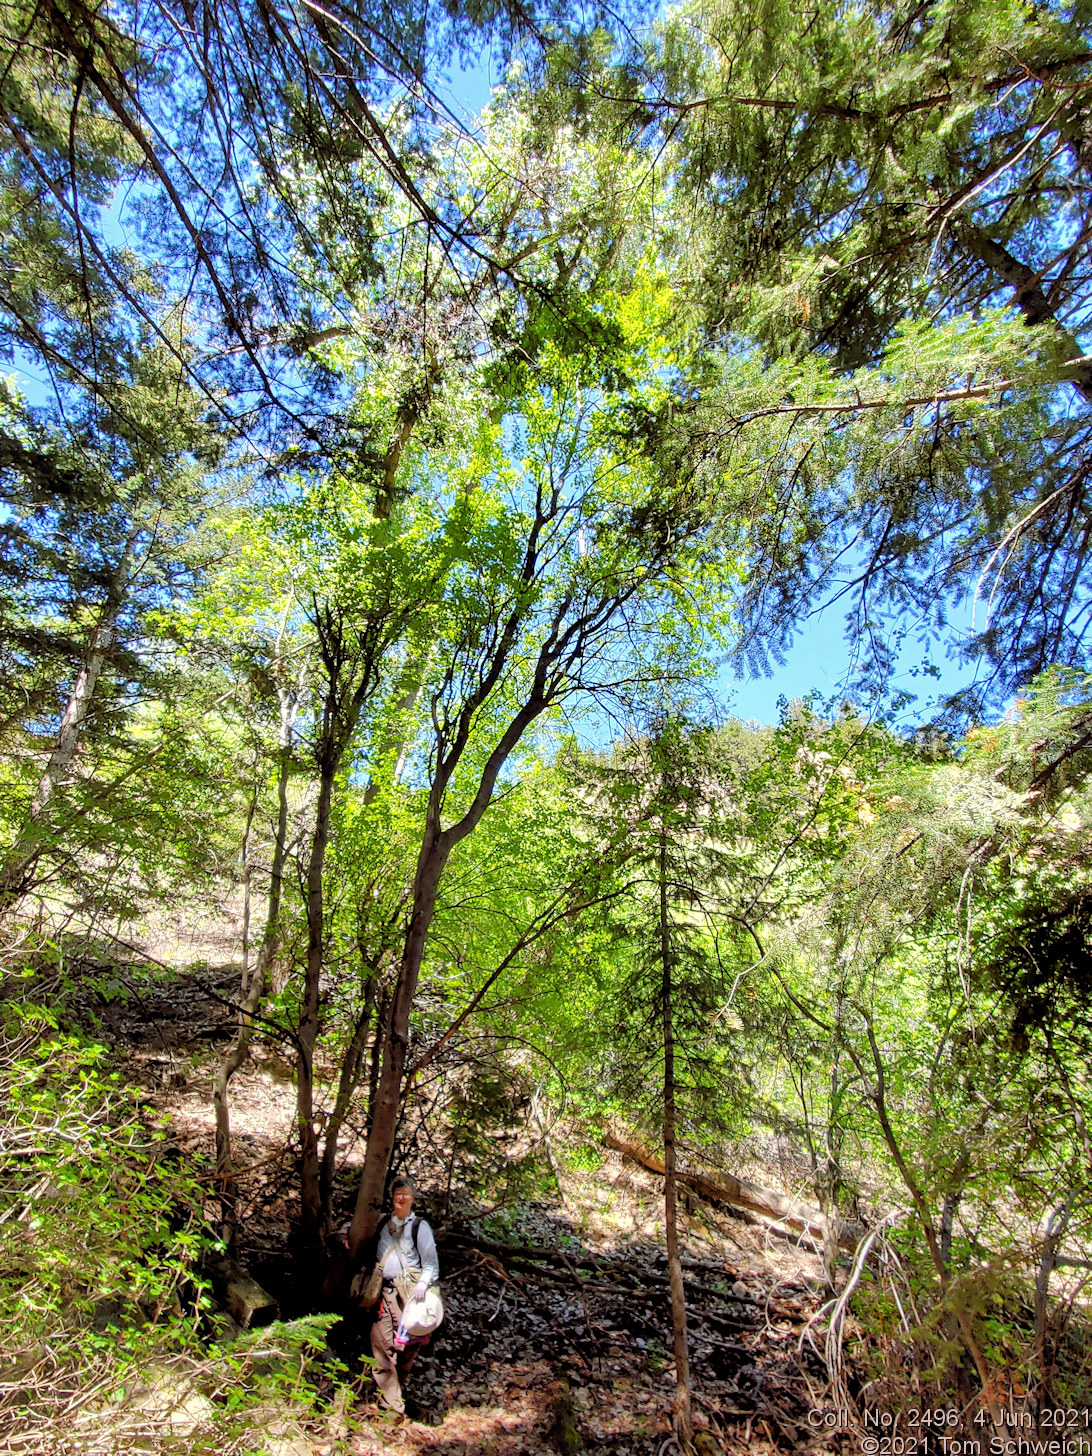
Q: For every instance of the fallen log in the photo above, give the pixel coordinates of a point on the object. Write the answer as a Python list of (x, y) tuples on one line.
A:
[(726, 1322), (721, 1187), (523, 1251)]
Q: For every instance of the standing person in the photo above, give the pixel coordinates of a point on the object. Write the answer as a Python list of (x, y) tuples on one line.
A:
[(405, 1243)]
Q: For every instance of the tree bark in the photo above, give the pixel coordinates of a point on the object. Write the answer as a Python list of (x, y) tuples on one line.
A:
[(1051, 1230), (348, 1081), (307, 1027), (684, 1429), (388, 1098), (20, 859), (379, 1041), (1028, 296)]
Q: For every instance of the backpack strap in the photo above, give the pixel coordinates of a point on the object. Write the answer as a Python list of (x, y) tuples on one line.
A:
[(413, 1234)]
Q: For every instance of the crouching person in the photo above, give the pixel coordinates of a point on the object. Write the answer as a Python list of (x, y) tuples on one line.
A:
[(406, 1255)]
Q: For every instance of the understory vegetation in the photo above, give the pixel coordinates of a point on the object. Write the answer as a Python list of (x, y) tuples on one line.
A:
[(388, 496)]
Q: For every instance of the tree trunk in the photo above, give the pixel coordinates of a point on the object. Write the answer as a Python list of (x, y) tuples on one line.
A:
[(1051, 1230), (379, 1041), (20, 859), (225, 1182), (388, 1099), (307, 1027), (399, 739), (827, 1207), (341, 711), (684, 1430), (253, 988), (1030, 297), (877, 1096), (347, 1084), (828, 1182)]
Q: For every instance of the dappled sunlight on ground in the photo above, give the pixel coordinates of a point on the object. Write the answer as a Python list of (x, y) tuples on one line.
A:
[(558, 1321)]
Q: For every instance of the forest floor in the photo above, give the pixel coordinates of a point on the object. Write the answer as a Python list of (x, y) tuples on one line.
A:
[(557, 1335)]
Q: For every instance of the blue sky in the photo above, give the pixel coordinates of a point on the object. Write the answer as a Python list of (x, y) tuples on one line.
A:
[(819, 661), (820, 658)]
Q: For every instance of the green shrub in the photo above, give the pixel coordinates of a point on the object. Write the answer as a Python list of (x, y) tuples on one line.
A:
[(106, 1320)]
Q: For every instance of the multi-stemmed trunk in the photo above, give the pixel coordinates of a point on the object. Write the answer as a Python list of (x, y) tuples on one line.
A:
[(352, 1067), (964, 1320), (436, 848), (352, 675), (568, 635), (307, 1025), (387, 1103), (683, 1422), (352, 1064)]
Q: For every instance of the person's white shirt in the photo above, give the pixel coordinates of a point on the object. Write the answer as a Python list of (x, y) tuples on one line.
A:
[(396, 1253)]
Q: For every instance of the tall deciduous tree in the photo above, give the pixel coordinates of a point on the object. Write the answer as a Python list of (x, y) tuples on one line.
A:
[(551, 575)]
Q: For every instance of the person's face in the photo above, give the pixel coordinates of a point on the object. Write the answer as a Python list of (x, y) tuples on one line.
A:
[(403, 1201)]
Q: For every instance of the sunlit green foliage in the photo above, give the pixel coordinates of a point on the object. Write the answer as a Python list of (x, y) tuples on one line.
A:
[(396, 485)]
